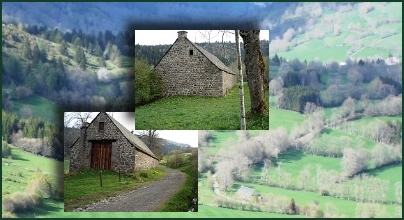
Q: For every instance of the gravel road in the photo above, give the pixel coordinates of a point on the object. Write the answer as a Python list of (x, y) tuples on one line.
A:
[(146, 199)]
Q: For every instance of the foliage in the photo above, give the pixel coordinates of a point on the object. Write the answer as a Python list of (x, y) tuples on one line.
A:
[(148, 85), (186, 197), (5, 150), (296, 97)]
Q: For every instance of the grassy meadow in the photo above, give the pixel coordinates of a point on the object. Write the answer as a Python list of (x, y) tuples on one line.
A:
[(334, 47), (198, 113), (294, 162), (17, 171)]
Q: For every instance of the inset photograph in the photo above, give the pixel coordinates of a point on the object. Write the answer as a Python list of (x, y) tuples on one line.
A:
[(110, 167), (192, 80)]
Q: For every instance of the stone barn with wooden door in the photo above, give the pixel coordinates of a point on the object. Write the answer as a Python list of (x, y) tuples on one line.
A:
[(106, 144), (188, 69)]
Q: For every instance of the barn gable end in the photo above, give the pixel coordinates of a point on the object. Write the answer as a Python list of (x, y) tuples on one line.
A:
[(188, 69), (106, 144)]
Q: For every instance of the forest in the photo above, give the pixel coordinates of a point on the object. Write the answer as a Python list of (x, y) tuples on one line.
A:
[(46, 71)]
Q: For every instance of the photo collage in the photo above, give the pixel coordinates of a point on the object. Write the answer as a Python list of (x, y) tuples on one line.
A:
[(178, 110)]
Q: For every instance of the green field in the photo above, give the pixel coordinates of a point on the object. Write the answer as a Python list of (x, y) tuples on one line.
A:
[(19, 169), (284, 118), (41, 108), (332, 48), (198, 113), (344, 207)]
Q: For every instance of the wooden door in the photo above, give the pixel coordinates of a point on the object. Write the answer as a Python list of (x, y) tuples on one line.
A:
[(101, 155)]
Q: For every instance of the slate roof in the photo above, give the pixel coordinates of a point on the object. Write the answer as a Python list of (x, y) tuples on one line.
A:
[(212, 58), (245, 192), (139, 144)]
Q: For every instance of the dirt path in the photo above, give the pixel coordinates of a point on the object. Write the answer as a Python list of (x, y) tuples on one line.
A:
[(146, 199)]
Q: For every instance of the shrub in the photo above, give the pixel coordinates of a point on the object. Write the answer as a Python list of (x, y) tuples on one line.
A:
[(8, 204), (8, 215), (40, 184), (5, 150)]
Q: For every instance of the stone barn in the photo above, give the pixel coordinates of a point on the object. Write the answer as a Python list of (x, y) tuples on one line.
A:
[(188, 69), (247, 194), (106, 144)]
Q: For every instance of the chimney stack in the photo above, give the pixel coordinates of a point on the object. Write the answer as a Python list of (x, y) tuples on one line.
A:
[(182, 34)]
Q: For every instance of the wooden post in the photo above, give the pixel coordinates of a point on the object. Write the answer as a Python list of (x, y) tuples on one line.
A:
[(119, 175), (101, 178)]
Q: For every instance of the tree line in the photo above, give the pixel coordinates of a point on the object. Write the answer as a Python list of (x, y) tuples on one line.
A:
[(33, 135)]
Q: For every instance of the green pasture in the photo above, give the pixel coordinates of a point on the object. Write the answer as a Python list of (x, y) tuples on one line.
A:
[(41, 108), (343, 207), (284, 118), (16, 173), (198, 113)]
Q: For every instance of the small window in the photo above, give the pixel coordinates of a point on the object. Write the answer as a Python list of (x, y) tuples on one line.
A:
[(101, 126), (191, 52)]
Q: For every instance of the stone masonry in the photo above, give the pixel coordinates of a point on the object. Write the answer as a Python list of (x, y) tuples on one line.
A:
[(187, 69), (126, 150)]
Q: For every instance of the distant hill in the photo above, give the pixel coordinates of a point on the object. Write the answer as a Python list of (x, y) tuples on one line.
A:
[(167, 145), (337, 31), (92, 17)]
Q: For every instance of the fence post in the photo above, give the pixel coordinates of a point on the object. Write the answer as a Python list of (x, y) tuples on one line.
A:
[(101, 178), (119, 175)]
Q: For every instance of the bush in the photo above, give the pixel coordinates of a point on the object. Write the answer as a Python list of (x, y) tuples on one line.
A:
[(40, 184), (148, 84), (5, 150), (8, 204), (8, 215)]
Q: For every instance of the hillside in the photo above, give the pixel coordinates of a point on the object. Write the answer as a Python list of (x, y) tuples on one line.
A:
[(71, 70), (336, 32), (294, 173), (20, 169)]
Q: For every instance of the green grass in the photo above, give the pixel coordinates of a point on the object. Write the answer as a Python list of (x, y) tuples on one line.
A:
[(330, 48), (393, 173), (284, 118), (41, 107), (180, 202), (344, 207), (19, 169), (83, 187), (197, 113), (216, 212)]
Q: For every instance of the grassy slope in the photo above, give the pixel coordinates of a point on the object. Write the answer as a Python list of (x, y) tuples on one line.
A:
[(197, 113), (40, 107), (20, 168), (316, 49)]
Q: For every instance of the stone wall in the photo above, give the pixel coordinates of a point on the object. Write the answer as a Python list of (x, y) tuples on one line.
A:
[(185, 74), (144, 162), (123, 152), (229, 80)]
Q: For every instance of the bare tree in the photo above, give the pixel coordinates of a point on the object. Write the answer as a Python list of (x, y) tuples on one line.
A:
[(240, 81), (255, 69), (153, 142), (399, 192), (354, 161), (225, 174), (76, 119)]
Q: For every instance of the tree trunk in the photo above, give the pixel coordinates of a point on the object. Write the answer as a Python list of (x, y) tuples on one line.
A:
[(255, 69), (240, 81)]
